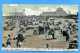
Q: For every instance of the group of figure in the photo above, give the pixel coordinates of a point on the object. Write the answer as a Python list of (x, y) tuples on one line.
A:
[(64, 30), (19, 39)]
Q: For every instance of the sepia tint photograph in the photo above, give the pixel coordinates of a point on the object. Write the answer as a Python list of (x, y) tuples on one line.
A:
[(40, 26)]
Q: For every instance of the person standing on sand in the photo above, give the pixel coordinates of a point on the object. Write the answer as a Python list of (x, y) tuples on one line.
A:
[(8, 43)]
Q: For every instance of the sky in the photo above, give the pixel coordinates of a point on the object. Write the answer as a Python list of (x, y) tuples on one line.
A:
[(33, 9)]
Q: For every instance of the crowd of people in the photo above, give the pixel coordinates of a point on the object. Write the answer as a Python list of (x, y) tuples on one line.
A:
[(64, 30)]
